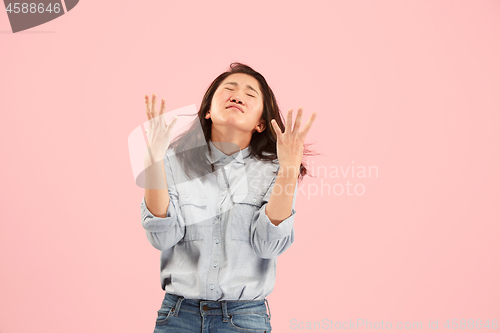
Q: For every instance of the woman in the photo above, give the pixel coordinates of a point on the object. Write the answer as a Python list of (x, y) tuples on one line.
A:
[(227, 209)]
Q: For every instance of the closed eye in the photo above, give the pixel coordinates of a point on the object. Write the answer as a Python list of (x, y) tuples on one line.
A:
[(247, 94)]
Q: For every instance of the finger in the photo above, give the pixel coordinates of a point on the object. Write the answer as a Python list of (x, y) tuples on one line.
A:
[(156, 120), (170, 126), (172, 121), (161, 116), (162, 107), (148, 113), (303, 133), (288, 126), (298, 120), (150, 116), (277, 130), (153, 106)]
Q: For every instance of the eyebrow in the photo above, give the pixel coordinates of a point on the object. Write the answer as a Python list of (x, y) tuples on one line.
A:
[(248, 86)]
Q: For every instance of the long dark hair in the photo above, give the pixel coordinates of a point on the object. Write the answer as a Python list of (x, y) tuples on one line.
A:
[(262, 145)]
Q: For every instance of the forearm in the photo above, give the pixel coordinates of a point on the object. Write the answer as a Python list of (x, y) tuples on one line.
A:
[(279, 206), (156, 189)]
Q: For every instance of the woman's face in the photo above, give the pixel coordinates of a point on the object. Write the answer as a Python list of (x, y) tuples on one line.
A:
[(241, 90)]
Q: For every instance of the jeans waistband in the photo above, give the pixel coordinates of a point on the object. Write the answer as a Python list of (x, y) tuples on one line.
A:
[(215, 307)]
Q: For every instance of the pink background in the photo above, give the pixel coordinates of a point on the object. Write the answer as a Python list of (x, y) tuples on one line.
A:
[(409, 87)]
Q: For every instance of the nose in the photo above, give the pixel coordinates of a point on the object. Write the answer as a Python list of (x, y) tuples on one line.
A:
[(236, 100)]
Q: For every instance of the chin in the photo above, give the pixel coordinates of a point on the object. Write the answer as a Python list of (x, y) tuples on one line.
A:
[(234, 123)]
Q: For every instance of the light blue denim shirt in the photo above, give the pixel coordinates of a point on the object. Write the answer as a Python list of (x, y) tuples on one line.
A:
[(216, 241)]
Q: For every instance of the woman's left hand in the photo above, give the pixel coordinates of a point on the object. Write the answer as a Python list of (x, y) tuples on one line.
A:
[(290, 145)]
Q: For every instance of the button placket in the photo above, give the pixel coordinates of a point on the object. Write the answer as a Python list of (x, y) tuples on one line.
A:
[(213, 274)]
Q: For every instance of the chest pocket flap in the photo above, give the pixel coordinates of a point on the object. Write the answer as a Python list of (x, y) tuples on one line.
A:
[(194, 209), (193, 199), (245, 206), (254, 199)]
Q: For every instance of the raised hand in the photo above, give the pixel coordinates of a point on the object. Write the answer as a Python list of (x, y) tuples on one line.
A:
[(290, 144), (158, 133)]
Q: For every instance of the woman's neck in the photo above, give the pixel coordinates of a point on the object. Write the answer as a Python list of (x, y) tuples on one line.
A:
[(230, 142)]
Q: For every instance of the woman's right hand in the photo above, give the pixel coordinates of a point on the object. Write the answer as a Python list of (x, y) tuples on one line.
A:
[(159, 134)]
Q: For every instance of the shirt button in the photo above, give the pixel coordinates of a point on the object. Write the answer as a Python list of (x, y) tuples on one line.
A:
[(215, 265), (211, 286), (223, 193), (216, 241), (254, 200)]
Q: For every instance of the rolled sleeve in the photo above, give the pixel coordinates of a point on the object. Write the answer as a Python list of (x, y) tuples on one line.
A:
[(164, 232), (270, 232), (158, 224), (269, 240)]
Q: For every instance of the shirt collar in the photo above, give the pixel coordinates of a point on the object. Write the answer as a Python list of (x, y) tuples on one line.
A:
[(218, 155)]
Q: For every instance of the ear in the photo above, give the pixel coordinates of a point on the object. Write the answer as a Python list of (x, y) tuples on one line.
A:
[(207, 115), (261, 126)]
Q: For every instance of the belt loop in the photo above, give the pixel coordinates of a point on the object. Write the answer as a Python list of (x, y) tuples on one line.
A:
[(178, 305), (224, 312), (267, 304)]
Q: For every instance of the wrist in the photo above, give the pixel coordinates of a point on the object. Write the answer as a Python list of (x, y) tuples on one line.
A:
[(289, 171), (151, 157)]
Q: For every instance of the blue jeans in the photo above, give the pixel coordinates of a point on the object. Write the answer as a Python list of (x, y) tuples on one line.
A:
[(178, 314)]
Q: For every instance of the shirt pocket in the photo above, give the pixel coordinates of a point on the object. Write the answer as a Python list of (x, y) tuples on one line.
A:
[(245, 206), (194, 209)]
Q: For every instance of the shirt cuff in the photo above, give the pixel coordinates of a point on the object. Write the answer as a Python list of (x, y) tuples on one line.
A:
[(270, 232), (158, 224)]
